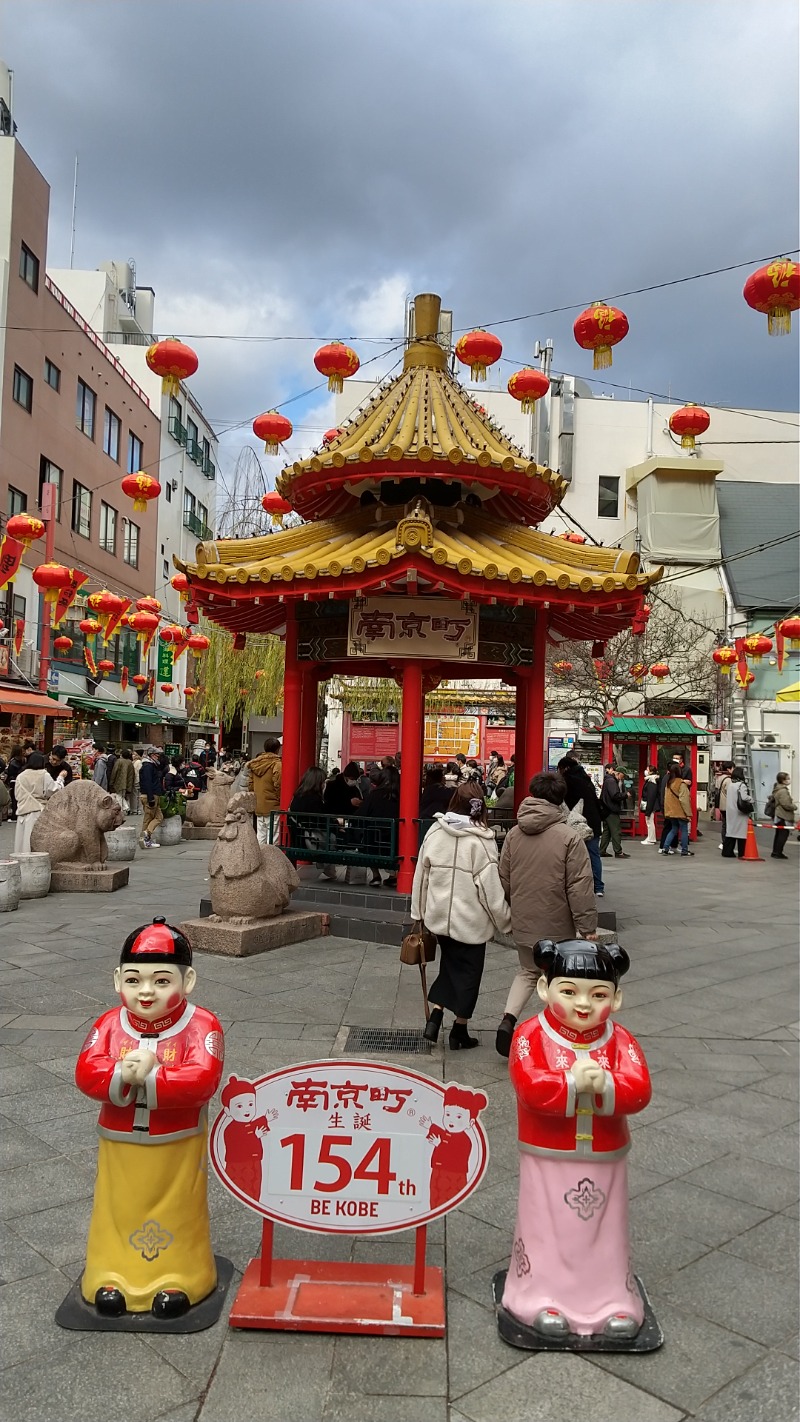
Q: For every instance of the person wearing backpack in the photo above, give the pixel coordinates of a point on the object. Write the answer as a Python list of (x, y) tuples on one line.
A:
[(781, 807), (650, 802), (738, 809), (721, 798)]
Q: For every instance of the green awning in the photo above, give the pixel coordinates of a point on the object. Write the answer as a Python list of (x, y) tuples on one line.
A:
[(659, 728), (116, 710), (180, 718)]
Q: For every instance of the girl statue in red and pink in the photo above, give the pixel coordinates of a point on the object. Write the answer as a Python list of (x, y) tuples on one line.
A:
[(577, 1077)]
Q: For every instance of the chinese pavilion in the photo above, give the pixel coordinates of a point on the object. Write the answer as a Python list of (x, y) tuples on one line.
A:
[(417, 561)]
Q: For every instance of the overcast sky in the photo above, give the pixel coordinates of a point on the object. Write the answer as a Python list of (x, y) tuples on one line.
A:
[(296, 167)]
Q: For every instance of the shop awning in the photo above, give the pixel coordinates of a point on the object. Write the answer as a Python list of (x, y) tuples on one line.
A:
[(28, 702), (658, 728), (179, 718), (116, 710), (789, 693)]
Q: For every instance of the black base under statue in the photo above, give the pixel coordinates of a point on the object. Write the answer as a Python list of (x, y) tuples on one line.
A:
[(521, 1335), (76, 1313)]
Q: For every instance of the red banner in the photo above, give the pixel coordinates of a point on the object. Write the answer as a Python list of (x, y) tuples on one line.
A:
[(147, 644), (19, 634), (67, 595), (123, 680), (114, 620), (10, 553), (151, 684), (90, 663)]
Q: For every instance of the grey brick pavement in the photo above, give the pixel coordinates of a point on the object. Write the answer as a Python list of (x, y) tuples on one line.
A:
[(712, 994)]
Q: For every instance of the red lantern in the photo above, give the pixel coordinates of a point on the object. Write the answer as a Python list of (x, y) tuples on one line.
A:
[(141, 488), (757, 646), (167, 687), (180, 583), (173, 361), (659, 670), (24, 528), (790, 629), (105, 666), (273, 428), (330, 436), (190, 691), (775, 290), (139, 681), (725, 658), (562, 668), (746, 680), (479, 349), (528, 385), (172, 634), (338, 362), (598, 328), (198, 643), (89, 627), (145, 625), (688, 422), (50, 578), (63, 644), (107, 605), (148, 604), (639, 671), (276, 507)]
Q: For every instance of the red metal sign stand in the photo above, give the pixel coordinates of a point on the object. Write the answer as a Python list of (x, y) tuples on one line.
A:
[(324, 1296)]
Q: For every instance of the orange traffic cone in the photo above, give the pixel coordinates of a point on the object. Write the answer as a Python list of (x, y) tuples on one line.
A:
[(751, 845)]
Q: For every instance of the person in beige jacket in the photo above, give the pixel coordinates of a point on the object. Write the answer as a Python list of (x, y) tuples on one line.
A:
[(264, 779), (34, 786), (677, 809), (547, 877)]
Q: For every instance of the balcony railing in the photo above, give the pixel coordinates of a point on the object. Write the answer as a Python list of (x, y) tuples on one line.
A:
[(197, 527), (177, 430), (209, 468), (194, 449)]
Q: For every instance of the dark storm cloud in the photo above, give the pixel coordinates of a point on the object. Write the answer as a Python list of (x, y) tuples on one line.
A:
[(295, 168)]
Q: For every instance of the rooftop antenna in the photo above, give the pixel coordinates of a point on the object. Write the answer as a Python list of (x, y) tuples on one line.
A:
[(74, 208)]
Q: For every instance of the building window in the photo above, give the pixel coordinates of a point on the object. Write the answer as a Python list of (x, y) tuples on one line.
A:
[(17, 502), (22, 388), (111, 432), (608, 496), (29, 267), (130, 549), (50, 473), (165, 571), (108, 528), (189, 504), (18, 608), (84, 409), (135, 453), (52, 375), (175, 409), (168, 492), (81, 510)]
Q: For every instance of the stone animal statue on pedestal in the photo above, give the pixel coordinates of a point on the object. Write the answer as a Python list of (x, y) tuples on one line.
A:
[(248, 880), (209, 808), (73, 825)]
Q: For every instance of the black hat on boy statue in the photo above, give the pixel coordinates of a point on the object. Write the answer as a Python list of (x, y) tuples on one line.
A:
[(157, 942), (578, 958)]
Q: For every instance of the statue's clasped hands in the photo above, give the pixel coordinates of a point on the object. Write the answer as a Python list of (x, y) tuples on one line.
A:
[(587, 1075), (137, 1066)]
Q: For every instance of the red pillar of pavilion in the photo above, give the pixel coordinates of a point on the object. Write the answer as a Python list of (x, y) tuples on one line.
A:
[(292, 703), (534, 698), (411, 728), (521, 738)]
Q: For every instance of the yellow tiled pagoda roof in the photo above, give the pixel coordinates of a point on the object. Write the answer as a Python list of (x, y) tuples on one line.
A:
[(478, 546)]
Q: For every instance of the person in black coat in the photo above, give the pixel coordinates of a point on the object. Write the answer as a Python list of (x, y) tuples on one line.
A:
[(580, 786), (382, 803), (612, 803), (342, 795), (436, 796)]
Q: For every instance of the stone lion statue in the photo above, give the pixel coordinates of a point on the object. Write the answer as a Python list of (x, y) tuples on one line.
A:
[(248, 879), (73, 825), (210, 806)]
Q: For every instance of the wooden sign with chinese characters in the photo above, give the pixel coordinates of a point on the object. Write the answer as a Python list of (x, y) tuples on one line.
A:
[(421, 627), (347, 1147)]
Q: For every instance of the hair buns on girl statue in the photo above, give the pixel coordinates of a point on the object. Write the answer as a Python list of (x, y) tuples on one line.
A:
[(577, 958)]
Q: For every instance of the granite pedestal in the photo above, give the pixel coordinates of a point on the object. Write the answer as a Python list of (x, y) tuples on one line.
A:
[(260, 935), (200, 831), (79, 879)]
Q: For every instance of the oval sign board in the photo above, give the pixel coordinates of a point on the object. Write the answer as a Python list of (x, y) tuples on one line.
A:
[(349, 1146)]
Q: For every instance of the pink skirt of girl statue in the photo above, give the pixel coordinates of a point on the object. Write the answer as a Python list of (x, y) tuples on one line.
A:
[(571, 1250)]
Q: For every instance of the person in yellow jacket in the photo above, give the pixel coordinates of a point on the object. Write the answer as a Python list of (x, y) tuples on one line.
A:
[(264, 779), (678, 809)]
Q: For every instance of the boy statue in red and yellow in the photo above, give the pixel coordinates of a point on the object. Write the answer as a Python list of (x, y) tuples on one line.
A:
[(153, 1064)]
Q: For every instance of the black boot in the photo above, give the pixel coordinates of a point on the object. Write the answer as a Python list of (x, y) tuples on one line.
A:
[(504, 1034), (459, 1037), (170, 1303), (110, 1301), (434, 1022)]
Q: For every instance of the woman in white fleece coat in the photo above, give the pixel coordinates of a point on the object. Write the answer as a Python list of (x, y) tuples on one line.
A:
[(457, 894)]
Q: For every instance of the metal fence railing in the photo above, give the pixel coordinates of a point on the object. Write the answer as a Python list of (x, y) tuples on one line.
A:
[(336, 839)]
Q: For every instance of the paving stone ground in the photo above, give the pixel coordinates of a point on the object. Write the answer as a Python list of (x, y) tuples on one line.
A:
[(712, 995)]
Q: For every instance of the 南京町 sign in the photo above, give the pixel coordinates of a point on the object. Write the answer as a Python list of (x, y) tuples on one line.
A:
[(349, 1146)]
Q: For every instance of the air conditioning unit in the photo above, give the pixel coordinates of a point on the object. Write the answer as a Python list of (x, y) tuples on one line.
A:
[(174, 485), (768, 739)]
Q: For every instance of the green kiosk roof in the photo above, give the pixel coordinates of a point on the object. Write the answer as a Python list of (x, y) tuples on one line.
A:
[(659, 728)]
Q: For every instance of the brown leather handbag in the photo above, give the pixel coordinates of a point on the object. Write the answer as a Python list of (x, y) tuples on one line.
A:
[(419, 946)]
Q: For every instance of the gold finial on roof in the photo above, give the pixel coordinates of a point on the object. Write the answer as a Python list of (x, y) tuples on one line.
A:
[(424, 351)]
